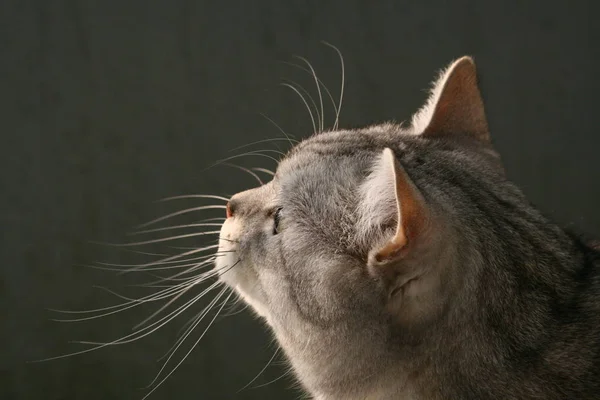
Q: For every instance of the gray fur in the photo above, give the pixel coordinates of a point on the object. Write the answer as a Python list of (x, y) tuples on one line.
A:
[(509, 306)]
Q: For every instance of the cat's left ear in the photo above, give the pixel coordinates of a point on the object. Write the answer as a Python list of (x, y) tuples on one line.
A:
[(412, 212), (455, 106)]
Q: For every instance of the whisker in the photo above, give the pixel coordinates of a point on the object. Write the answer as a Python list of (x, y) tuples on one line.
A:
[(189, 210), (266, 171), (312, 118), (176, 266), (280, 129), (263, 141), (246, 170), (165, 306), (196, 320), (183, 331), (305, 92), (123, 307), (177, 256), (188, 353), (175, 227), (148, 298), (190, 196), (339, 109), (135, 269), (318, 90), (160, 323), (192, 268), (272, 151), (261, 371), (160, 263), (164, 239), (146, 253), (250, 153), (320, 82), (238, 303), (273, 381)]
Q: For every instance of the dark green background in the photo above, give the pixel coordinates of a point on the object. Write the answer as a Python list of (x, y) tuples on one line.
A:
[(108, 106)]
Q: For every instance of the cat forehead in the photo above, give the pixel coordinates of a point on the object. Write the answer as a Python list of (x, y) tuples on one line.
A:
[(327, 148)]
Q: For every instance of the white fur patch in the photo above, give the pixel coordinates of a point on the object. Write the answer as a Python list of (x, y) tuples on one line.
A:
[(423, 117), (234, 272)]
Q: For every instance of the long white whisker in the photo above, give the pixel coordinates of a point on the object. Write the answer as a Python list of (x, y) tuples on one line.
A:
[(312, 118), (166, 305), (246, 170), (273, 381), (189, 210), (124, 339), (263, 141), (175, 227), (193, 267), (180, 341), (261, 371), (177, 256), (164, 239), (183, 331), (280, 129), (339, 109), (137, 268), (189, 196), (266, 171), (146, 253), (188, 353), (270, 151), (131, 305), (236, 304), (320, 82), (160, 263), (176, 266), (307, 94), (149, 298), (150, 328), (322, 122), (250, 153)]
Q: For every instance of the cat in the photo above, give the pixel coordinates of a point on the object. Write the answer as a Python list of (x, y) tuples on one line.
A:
[(398, 262)]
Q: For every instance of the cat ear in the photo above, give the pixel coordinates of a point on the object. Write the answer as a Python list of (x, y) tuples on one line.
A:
[(411, 209), (455, 105)]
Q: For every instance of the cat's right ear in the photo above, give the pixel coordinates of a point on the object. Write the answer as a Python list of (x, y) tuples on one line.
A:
[(412, 213), (455, 106)]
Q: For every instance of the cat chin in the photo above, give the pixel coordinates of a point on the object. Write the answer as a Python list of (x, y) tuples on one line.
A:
[(242, 281), (234, 272)]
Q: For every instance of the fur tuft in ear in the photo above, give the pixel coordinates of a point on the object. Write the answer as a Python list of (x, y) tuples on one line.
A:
[(412, 213), (455, 105)]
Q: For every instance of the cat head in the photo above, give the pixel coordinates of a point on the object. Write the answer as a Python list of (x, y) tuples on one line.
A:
[(356, 245)]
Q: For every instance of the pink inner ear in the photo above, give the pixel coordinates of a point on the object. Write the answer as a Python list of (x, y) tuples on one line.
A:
[(459, 108), (228, 211), (392, 249), (411, 211)]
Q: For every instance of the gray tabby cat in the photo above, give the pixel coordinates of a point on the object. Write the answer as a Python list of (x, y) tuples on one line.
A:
[(398, 262)]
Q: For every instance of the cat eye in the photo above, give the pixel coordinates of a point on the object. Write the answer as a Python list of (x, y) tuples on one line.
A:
[(276, 218)]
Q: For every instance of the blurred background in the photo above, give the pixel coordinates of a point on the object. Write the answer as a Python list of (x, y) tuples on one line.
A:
[(109, 106)]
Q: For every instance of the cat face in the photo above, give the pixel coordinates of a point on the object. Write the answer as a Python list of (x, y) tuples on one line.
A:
[(310, 208), (353, 240)]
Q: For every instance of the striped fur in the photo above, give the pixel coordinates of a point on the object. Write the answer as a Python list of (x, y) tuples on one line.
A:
[(507, 304)]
